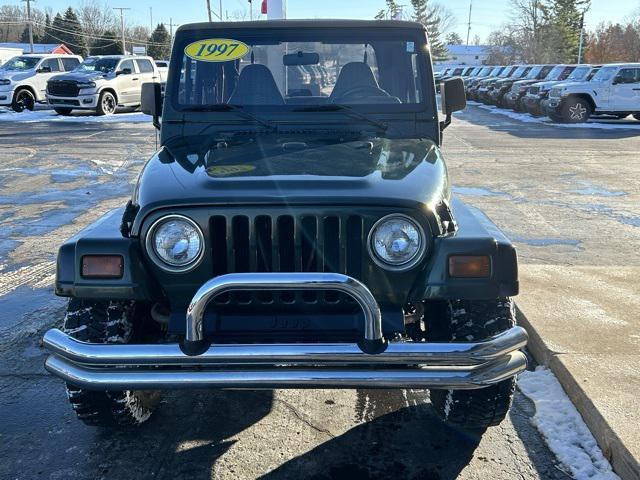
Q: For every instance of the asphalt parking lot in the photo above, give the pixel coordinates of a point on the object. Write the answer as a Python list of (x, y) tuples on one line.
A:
[(532, 180)]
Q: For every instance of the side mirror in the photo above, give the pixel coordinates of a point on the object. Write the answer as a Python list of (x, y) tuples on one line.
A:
[(453, 99), (46, 69), (151, 101), (124, 71)]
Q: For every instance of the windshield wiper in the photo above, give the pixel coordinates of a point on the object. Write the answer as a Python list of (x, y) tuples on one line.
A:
[(227, 107), (337, 107)]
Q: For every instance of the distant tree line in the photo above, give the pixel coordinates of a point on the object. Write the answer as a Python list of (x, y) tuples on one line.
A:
[(90, 29), (548, 31)]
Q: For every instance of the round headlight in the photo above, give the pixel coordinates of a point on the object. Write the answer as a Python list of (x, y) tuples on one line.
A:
[(397, 242), (176, 241)]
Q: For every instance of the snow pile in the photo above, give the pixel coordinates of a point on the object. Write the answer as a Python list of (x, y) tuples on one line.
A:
[(75, 117), (563, 428), (526, 118)]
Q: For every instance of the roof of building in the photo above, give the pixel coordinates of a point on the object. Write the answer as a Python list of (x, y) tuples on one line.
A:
[(39, 47), (468, 49)]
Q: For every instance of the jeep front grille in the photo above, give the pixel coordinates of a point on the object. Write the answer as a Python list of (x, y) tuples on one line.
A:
[(287, 243), (534, 90), (63, 88)]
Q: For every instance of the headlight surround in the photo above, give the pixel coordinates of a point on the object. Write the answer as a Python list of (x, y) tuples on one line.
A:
[(5, 81), (175, 243), (397, 242), (87, 85)]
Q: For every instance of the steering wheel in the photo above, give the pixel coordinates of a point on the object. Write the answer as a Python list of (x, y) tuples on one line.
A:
[(359, 93)]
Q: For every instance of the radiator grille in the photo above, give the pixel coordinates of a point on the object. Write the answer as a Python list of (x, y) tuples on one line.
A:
[(534, 90), (63, 88), (286, 243)]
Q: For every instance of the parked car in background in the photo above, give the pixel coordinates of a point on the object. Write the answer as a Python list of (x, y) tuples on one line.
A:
[(470, 84), (103, 84), (513, 98), (614, 90), (485, 86), (539, 92), (500, 87), (163, 69), (23, 79)]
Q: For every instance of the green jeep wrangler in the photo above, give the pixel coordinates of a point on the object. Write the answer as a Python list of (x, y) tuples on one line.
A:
[(295, 230)]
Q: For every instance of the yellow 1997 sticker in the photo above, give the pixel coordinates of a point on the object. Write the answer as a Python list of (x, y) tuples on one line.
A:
[(216, 50)]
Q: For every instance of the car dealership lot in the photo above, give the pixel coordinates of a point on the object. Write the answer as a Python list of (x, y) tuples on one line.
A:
[(533, 180)]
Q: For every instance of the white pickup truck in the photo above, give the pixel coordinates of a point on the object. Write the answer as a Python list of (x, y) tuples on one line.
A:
[(23, 79), (102, 84), (614, 90)]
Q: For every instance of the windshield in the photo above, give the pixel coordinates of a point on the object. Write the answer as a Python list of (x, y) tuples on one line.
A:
[(485, 71), (533, 73), (21, 63), (519, 72), (95, 64), (555, 73), (605, 74), (505, 72), (274, 69), (579, 73)]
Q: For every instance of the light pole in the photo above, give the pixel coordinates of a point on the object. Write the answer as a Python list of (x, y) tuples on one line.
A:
[(30, 25), (122, 9)]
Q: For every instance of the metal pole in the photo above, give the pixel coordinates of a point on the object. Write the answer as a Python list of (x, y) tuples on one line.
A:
[(122, 9), (469, 24), (220, 10), (209, 9), (30, 25), (581, 38), (250, 10), (151, 20)]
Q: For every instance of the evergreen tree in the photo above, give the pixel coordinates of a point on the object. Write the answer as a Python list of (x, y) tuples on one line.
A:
[(431, 20), (67, 30), (565, 26), (24, 37), (454, 39), (46, 37), (109, 44), (160, 43)]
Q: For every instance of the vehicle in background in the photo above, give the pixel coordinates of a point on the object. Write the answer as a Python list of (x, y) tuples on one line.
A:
[(23, 79), (102, 84), (513, 98), (539, 92), (500, 87), (278, 241), (614, 90), (471, 84), (163, 69), (484, 87)]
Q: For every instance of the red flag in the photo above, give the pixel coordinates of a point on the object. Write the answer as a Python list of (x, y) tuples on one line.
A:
[(263, 8)]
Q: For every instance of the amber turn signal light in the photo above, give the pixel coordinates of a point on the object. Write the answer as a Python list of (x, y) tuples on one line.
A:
[(469, 266), (102, 266)]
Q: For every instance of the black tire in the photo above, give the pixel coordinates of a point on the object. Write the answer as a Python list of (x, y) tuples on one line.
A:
[(107, 104), (463, 320), (63, 111), (23, 100), (576, 110), (106, 322)]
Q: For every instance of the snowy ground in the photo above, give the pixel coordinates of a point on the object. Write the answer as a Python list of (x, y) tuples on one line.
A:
[(562, 427), (78, 116), (601, 124)]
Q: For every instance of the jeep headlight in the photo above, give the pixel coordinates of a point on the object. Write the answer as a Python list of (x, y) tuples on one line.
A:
[(397, 242), (175, 243), (5, 81)]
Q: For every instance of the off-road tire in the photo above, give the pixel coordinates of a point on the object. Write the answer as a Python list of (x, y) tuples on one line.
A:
[(466, 321), (106, 322), (107, 104), (65, 112), (23, 100), (576, 110)]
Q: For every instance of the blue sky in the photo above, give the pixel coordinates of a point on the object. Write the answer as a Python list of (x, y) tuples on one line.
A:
[(487, 15)]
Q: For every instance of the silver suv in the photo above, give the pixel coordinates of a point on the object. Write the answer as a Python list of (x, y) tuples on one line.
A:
[(102, 83)]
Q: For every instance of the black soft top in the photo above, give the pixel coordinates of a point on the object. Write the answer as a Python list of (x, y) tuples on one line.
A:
[(294, 24)]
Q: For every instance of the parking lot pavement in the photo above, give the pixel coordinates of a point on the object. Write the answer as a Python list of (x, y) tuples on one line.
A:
[(55, 179), (570, 200)]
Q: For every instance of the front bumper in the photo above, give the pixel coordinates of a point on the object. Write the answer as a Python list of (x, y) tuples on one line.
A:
[(370, 363), (532, 104), (6, 96), (89, 101)]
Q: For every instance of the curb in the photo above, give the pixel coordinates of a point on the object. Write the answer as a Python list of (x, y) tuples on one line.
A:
[(622, 461)]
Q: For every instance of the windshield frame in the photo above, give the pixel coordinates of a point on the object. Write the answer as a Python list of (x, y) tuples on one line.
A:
[(607, 69), (587, 71), (425, 82)]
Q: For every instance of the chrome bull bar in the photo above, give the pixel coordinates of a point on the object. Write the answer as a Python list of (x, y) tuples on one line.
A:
[(370, 363)]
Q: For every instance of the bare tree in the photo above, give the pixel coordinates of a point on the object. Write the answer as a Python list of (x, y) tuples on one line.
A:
[(96, 17)]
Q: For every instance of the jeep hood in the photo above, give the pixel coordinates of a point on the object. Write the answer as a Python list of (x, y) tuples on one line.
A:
[(276, 171)]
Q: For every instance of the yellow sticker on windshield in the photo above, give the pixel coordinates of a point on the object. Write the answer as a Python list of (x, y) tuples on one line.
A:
[(229, 170), (216, 50)]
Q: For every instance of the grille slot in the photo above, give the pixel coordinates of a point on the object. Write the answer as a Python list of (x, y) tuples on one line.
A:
[(286, 243), (534, 90), (63, 88)]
